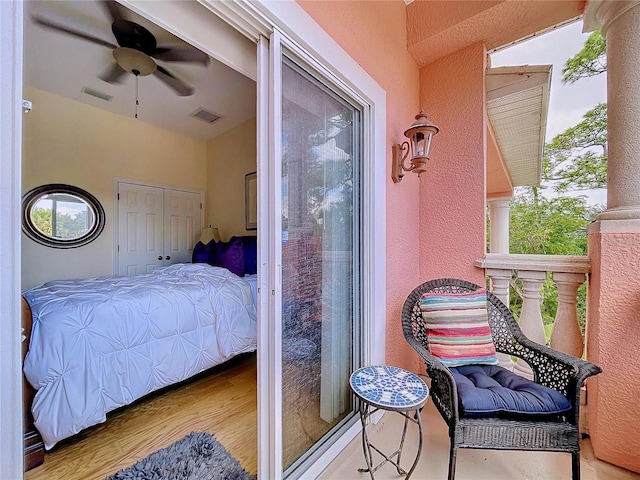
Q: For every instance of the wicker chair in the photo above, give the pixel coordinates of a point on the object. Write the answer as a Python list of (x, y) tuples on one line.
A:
[(551, 368)]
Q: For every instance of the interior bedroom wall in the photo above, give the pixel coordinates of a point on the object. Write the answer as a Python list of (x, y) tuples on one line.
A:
[(230, 157), (65, 141)]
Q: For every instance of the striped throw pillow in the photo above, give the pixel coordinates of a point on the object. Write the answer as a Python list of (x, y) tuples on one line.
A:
[(457, 328)]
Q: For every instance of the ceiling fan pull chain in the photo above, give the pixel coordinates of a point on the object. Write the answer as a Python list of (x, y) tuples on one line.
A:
[(137, 103)]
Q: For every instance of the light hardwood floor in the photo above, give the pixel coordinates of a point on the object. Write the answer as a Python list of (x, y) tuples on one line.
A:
[(223, 402)]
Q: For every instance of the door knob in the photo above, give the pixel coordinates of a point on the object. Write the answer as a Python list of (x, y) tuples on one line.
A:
[(167, 257), (159, 257)]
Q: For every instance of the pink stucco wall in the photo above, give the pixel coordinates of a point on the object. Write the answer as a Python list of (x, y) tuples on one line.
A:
[(613, 342), (376, 39), (452, 194)]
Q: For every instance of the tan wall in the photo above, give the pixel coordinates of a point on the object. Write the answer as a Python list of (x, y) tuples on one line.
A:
[(230, 157), (69, 142)]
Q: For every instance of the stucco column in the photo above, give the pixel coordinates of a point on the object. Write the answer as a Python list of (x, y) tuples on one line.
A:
[(613, 317), (619, 21), (499, 225)]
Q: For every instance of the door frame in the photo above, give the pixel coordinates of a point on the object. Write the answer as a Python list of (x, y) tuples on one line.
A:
[(11, 53), (185, 19)]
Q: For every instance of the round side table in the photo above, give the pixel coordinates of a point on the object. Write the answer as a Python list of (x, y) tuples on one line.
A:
[(383, 387)]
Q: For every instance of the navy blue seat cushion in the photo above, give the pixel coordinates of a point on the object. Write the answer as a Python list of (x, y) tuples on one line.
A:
[(491, 390)]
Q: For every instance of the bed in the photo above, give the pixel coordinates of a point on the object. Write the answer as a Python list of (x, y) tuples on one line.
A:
[(101, 343)]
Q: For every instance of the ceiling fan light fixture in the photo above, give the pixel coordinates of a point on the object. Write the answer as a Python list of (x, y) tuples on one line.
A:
[(134, 61)]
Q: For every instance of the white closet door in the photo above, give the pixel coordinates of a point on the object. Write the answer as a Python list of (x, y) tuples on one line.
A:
[(156, 227), (182, 225), (140, 228)]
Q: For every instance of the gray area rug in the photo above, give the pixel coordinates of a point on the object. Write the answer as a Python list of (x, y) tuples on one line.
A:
[(198, 456)]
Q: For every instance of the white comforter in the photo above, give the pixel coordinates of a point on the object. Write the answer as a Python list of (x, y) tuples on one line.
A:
[(98, 344)]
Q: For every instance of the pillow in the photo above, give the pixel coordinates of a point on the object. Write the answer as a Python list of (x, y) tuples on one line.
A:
[(230, 255), (204, 253), (250, 247), (457, 328)]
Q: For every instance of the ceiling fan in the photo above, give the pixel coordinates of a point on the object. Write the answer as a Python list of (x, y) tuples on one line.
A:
[(136, 51)]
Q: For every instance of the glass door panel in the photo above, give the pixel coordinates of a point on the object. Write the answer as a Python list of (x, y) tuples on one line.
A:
[(320, 260)]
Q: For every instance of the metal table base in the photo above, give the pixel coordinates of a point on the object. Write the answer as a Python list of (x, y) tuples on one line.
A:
[(391, 389)]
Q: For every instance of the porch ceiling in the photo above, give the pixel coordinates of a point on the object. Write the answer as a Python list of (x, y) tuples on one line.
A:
[(517, 106), (436, 28)]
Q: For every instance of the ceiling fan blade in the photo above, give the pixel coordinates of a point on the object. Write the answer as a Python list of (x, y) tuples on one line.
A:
[(178, 85), (61, 28), (113, 10), (114, 74), (181, 55)]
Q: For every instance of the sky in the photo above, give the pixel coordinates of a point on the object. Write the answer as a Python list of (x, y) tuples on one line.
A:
[(567, 103)]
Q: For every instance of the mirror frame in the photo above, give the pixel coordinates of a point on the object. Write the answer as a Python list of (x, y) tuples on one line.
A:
[(34, 195)]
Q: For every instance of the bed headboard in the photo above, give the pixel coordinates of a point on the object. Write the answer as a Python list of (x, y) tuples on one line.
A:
[(33, 446), (28, 391)]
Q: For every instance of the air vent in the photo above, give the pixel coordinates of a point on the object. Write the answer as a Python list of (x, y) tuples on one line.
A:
[(95, 93), (205, 115)]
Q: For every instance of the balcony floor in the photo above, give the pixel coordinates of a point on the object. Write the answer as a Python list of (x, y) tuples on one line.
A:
[(472, 464)]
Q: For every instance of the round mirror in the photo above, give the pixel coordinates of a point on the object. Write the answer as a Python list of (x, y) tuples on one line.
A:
[(61, 216)]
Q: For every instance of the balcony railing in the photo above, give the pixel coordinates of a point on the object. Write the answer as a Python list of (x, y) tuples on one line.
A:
[(568, 273)]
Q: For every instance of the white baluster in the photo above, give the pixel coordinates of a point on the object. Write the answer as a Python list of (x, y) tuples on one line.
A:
[(500, 279), (566, 335), (530, 317)]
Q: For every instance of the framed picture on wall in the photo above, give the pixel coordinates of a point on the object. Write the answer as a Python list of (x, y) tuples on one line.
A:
[(251, 201)]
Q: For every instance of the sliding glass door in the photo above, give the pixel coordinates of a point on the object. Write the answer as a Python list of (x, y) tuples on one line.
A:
[(320, 232), (321, 250)]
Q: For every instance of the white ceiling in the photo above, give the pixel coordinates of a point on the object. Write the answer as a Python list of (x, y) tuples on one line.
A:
[(63, 64)]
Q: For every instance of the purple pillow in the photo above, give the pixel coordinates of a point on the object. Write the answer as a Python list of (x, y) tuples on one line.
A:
[(250, 248), (204, 253), (230, 255)]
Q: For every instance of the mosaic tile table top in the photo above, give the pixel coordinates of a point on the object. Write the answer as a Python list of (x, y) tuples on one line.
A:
[(389, 387)]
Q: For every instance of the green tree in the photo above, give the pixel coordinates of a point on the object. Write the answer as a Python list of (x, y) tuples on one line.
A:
[(549, 226), (590, 61), (68, 226), (576, 159), (41, 218)]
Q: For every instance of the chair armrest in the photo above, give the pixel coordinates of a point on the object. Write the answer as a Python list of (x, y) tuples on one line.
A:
[(554, 369), (551, 368), (443, 387)]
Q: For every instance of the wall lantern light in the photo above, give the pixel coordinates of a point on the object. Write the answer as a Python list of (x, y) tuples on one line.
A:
[(419, 135)]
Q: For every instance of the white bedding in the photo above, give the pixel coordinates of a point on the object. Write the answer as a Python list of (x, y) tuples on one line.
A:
[(98, 344)]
